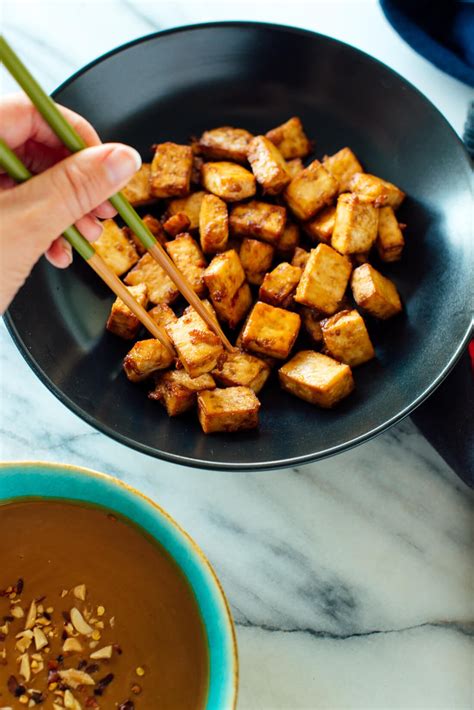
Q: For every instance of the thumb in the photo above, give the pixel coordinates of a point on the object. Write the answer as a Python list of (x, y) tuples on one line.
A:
[(58, 197)]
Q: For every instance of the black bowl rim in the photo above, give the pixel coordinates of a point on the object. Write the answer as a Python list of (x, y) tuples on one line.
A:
[(230, 465)]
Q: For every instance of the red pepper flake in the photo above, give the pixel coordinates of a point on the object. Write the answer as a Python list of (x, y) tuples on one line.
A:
[(19, 586), (103, 683), (127, 705), (92, 668)]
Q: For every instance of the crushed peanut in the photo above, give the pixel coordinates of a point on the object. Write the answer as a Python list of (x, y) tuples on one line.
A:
[(80, 592), (79, 623)]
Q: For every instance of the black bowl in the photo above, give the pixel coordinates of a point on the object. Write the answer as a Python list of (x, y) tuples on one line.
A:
[(172, 85)]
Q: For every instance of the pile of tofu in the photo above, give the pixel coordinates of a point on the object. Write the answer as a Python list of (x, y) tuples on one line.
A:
[(279, 250)]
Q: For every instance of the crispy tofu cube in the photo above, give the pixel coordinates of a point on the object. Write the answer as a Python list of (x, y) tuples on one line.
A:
[(310, 190), (171, 170), (268, 165), (145, 358), (355, 226), (290, 139), (300, 257), (178, 391), (324, 279), (343, 165), (190, 206), (256, 258), (289, 240), (316, 378), (224, 276), (270, 331), (230, 294), (234, 310), (346, 338), (161, 289), (258, 219), (198, 348), (228, 181), (122, 321), (177, 224), (311, 320), (213, 224), (155, 228), (279, 286), (189, 259), (390, 241), (294, 167), (320, 228), (231, 409), (138, 189), (375, 293), (225, 143), (374, 189), (162, 315), (115, 249), (240, 369)]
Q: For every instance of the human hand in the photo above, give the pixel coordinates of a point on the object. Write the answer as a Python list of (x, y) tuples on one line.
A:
[(69, 189)]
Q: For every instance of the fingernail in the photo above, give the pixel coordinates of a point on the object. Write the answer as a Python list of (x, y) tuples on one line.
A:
[(67, 248), (122, 163)]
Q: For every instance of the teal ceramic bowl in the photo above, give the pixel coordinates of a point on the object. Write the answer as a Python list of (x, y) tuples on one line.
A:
[(47, 480)]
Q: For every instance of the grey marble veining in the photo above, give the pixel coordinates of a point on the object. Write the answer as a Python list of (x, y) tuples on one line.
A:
[(351, 579)]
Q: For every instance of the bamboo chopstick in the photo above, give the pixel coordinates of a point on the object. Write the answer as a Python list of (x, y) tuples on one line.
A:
[(20, 173), (72, 140)]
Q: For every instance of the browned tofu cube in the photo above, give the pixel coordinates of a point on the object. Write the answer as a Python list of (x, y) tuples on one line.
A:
[(374, 189), (346, 338), (375, 293), (343, 165), (300, 257), (320, 228), (189, 259), (268, 165), (224, 276), (177, 224), (279, 286), (316, 378), (310, 190), (233, 310), (198, 348), (242, 369), (228, 181), (145, 358), (225, 143), (115, 248), (122, 321), (213, 225), (390, 241), (294, 167), (289, 240), (190, 206), (271, 331), (290, 139), (355, 226), (155, 228), (178, 391), (256, 258), (258, 219), (231, 409), (324, 279), (161, 289), (311, 320), (171, 170), (162, 315), (138, 189)]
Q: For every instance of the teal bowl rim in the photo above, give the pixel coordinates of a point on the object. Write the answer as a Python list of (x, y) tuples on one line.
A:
[(86, 485)]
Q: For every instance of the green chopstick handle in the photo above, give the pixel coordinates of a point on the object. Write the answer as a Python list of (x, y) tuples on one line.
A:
[(20, 173), (67, 134)]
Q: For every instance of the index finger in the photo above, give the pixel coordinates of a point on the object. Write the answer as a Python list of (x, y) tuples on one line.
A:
[(20, 121)]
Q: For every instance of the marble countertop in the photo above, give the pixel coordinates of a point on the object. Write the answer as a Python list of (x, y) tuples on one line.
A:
[(350, 579)]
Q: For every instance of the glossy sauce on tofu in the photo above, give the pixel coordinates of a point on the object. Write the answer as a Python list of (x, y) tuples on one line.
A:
[(136, 638)]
